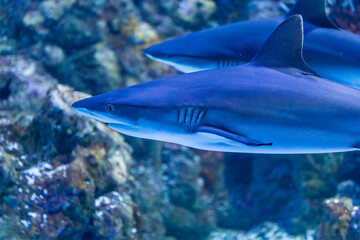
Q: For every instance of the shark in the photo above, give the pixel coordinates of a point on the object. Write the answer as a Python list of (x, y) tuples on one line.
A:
[(275, 104), (331, 52)]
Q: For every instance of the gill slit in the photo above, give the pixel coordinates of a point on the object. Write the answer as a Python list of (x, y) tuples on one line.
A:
[(227, 62), (191, 116)]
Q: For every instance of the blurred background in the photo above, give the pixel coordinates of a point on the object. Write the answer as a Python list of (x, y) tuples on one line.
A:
[(63, 176)]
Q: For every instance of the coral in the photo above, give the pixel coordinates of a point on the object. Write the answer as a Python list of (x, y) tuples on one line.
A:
[(341, 214), (346, 15), (319, 175), (114, 217), (182, 223), (349, 189), (184, 185), (266, 230), (52, 10), (264, 9), (63, 176), (190, 212), (353, 230), (52, 167), (24, 83), (195, 11), (336, 219)]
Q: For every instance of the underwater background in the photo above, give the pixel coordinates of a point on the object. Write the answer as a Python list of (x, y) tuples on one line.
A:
[(64, 176)]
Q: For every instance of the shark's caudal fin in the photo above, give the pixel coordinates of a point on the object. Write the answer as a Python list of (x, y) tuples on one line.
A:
[(313, 11), (283, 49)]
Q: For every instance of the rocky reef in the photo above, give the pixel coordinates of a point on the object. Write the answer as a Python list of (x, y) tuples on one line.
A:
[(67, 177)]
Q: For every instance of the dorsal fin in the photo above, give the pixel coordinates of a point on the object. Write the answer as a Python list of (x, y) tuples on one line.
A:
[(283, 49), (313, 11)]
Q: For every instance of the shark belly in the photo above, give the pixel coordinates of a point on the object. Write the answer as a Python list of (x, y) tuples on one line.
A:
[(187, 64), (209, 142), (286, 137)]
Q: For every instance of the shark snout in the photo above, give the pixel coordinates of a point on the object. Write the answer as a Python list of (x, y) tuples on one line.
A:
[(84, 108), (78, 104), (93, 114), (81, 107), (106, 113)]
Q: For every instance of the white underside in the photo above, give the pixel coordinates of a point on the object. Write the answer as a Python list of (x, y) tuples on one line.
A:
[(211, 142), (188, 65)]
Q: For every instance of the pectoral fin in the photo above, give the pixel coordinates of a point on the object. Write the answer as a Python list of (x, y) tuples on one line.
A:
[(233, 136)]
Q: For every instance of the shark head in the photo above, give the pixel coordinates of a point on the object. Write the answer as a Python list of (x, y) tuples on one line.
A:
[(149, 110)]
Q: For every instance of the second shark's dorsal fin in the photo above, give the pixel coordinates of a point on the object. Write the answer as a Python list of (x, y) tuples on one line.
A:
[(283, 49), (313, 11)]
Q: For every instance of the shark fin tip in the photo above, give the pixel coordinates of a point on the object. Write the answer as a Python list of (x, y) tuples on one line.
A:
[(283, 49)]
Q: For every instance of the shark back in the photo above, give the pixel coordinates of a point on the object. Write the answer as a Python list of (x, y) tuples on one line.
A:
[(232, 41)]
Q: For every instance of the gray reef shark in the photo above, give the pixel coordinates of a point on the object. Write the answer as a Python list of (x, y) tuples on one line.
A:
[(274, 104), (332, 53)]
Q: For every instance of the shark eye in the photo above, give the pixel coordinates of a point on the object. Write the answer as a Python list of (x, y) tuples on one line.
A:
[(110, 108)]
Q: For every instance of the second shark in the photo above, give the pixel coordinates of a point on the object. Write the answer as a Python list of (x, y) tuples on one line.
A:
[(331, 52)]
